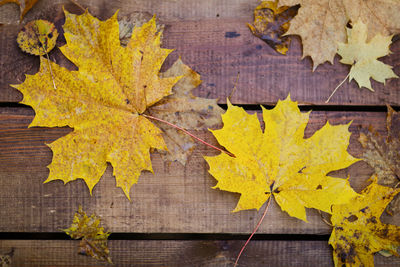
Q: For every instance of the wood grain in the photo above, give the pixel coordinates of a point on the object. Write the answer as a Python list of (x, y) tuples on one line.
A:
[(211, 36), (171, 253), (199, 33), (175, 199)]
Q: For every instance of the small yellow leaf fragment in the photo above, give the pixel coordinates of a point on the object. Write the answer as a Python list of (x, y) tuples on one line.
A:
[(363, 55), (24, 5), (358, 232), (94, 239), (271, 22), (37, 37), (279, 161)]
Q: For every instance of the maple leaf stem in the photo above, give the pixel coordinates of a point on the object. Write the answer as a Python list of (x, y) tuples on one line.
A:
[(78, 5), (190, 134), (234, 87), (47, 55), (337, 87), (51, 71), (254, 231), (324, 220)]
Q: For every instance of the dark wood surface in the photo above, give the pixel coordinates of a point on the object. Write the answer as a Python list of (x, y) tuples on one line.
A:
[(199, 253), (199, 33), (177, 199)]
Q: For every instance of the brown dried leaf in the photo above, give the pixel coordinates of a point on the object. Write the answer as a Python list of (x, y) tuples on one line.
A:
[(322, 24), (184, 109), (94, 239), (383, 154), (271, 22)]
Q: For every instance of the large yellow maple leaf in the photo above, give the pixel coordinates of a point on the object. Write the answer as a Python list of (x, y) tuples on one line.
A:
[(280, 162), (358, 232), (363, 55), (322, 24), (103, 100)]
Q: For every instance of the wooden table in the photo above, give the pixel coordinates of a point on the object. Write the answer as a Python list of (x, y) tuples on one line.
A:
[(175, 217)]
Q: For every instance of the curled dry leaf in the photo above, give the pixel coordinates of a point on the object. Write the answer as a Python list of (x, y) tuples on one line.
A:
[(358, 232), (279, 162), (363, 55), (383, 154), (184, 109), (322, 24), (24, 5), (271, 22), (37, 37), (94, 239)]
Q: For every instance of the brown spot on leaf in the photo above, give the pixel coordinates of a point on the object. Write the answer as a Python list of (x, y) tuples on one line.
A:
[(384, 232), (356, 235), (364, 209), (301, 170), (346, 254), (352, 218), (372, 220)]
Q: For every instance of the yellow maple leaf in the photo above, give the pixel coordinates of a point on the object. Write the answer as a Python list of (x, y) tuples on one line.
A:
[(322, 24), (358, 232), (363, 55), (103, 101), (280, 162)]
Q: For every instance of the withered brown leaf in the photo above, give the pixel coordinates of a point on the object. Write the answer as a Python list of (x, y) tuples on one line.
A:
[(271, 22), (383, 154)]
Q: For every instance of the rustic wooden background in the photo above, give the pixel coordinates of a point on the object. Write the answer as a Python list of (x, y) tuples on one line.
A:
[(175, 218)]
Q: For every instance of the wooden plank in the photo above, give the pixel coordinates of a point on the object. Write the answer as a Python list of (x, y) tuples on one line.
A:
[(179, 253), (175, 199), (198, 32)]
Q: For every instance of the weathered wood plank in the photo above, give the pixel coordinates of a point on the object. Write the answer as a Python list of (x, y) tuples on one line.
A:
[(197, 30), (179, 253), (175, 199)]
